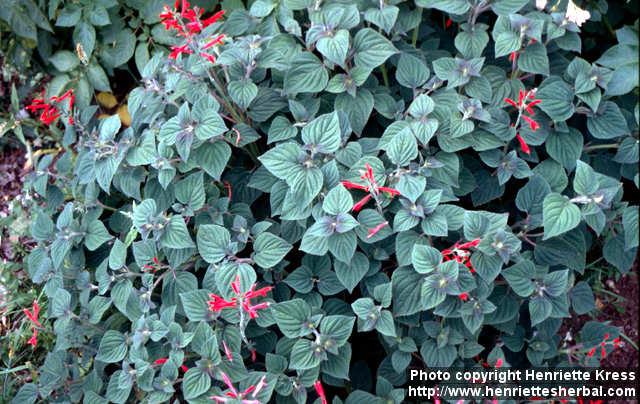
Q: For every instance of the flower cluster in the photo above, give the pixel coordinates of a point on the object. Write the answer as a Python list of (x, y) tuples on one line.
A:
[(234, 395), (460, 252), (242, 300), (525, 104), (33, 317), (189, 23), (374, 190), (49, 110)]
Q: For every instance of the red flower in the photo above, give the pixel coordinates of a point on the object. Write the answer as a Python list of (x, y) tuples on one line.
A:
[(523, 145), (213, 19), (372, 187), (448, 23), (49, 111), (320, 390), (178, 50), (513, 56), (215, 41), (532, 124), (499, 363), (375, 230), (251, 391), (460, 252), (162, 361), (211, 58), (353, 185), (243, 300), (227, 351), (33, 317), (464, 296), (360, 204)]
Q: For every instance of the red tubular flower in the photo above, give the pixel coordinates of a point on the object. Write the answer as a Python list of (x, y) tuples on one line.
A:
[(463, 296), (448, 23), (499, 363), (523, 145), (532, 124), (162, 361), (33, 314), (254, 355), (353, 185), (375, 230), (320, 390), (360, 204), (49, 111), (513, 56), (215, 41), (591, 352), (392, 192), (217, 303), (227, 351), (213, 19), (33, 317), (511, 102), (178, 50)]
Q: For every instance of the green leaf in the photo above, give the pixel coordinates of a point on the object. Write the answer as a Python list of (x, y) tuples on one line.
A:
[(213, 242), (411, 72), (293, 318), (322, 134), (540, 309), (534, 59), (402, 148), (195, 383), (334, 47), (559, 215), (585, 181), (242, 92), (64, 60), (507, 42), (303, 355), (565, 147), (338, 328), (337, 201), (212, 157), (195, 305), (519, 278), (425, 259), (457, 7), (350, 274), (270, 249), (282, 160), (557, 99), (113, 347), (582, 299), (96, 235), (608, 122), (371, 49), (630, 225), (176, 235), (305, 75)]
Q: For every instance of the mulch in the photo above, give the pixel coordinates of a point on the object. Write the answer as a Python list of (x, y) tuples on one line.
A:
[(11, 176)]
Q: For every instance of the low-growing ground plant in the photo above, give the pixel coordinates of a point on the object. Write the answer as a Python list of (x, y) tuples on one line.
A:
[(313, 197)]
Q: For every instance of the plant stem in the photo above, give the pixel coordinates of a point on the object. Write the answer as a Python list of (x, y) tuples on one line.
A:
[(416, 30), (385, 76), (601, 146)]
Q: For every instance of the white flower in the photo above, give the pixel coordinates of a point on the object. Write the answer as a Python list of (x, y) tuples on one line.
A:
[(576, 15), (541, 4)]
